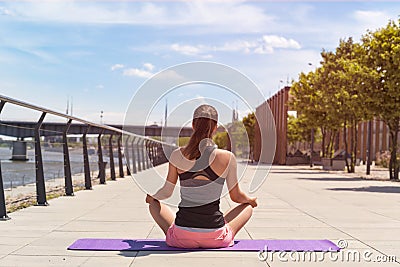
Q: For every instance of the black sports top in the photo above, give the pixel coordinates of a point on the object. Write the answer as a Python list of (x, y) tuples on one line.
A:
[(200, 198)]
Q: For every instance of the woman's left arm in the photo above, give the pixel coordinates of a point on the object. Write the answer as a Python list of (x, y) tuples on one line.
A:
[(169, 185)]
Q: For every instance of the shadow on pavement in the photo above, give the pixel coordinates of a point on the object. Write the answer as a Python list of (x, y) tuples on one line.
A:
[(135, 254), (375, 189), (299, 172), (336, 179)]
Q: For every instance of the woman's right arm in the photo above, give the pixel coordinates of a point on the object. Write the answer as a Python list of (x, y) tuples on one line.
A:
[(236, 194)]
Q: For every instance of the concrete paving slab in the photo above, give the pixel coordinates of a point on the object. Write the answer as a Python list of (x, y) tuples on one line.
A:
[(107, 261), (40, 261), (162, 259), (294, 203)]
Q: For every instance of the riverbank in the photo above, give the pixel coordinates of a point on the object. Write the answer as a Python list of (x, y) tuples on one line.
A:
[(23, 196)]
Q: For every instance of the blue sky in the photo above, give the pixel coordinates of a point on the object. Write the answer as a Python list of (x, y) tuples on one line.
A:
[(99, 53)]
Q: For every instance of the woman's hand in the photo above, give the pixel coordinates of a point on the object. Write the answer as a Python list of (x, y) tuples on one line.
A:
[(253, 201), (149, 199)]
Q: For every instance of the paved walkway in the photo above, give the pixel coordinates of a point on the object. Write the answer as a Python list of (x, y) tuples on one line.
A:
[(293, 204)]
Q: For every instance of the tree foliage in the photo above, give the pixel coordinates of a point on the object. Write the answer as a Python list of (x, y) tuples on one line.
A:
[(382, 48), (183, 141), (249, 123), (356, 82), (221, 140), (298, 129)]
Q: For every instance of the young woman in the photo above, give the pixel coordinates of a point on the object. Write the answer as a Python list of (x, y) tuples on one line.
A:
[(202, 170)]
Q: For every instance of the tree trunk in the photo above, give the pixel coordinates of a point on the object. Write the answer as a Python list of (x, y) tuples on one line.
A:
[(352, 141), (354, 152), (327, 143), (331, 143), (346, 146), (323, 132), (393, 163), (391, 176), (329, 146)]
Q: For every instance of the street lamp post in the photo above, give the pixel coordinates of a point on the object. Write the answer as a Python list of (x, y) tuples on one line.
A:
[(312, 137)]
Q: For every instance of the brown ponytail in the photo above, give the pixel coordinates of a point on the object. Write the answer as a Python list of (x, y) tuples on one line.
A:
[(204, 122)]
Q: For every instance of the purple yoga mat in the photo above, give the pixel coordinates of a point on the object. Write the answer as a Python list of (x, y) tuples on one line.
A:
[(240, 245)]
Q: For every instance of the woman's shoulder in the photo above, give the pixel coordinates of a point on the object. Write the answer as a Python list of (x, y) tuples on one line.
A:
[(224, 152), (224, 155), (176, 154), (177, 150)]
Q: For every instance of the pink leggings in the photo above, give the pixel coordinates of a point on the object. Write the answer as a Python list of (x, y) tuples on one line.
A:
[(177, 237)]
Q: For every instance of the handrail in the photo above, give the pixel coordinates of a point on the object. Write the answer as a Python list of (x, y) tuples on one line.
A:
[(138, 146), (66, 116)]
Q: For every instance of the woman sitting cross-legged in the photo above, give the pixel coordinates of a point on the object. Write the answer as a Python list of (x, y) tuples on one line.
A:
[(202, 170)]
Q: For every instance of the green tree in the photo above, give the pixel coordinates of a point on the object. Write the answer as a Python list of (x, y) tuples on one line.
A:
[(382, 48), (183, 141), (249, 123), (313, 103), (346, 79), (239, 142), (298, 129), (221, 140)]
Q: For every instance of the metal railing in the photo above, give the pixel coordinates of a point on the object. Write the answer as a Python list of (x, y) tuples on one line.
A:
[(140, 152)]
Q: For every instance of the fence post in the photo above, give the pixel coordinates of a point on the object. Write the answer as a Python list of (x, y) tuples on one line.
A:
[(3, 211), (69, 190), (155, 149), (134, 166), (120, 164), (153, 154), (141, 151), (139, 156), (40, 184), (111, 156), (102, 169), (88, 179), (148, 154), (126, 152), (145, 154)]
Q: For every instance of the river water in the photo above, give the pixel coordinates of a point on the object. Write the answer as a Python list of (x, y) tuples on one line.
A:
[(17, 173)]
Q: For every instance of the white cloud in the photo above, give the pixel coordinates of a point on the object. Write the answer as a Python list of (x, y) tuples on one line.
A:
[(117, 66), (99, 86), (264, 45), (280, 42), (171, 75), (137, 72), (190, 50), (371, 19), (148, 66), (235, 46), (144, 72), (270, 42), (5, 12), (224, 16)]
